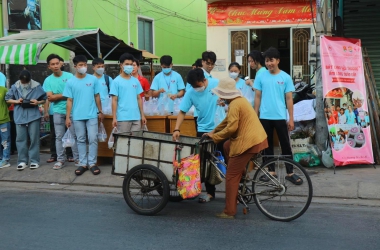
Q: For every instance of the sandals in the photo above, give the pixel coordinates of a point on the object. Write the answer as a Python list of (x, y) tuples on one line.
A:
[(80, 170), (95, 170), (205, 198), (58, 165), (51, 159), (225, 216), (265, 178), (70, 159), (295, 179)]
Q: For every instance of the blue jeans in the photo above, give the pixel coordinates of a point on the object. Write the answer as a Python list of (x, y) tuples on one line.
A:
[(60, 129), (91, 127), (5, 135), (31, 130)]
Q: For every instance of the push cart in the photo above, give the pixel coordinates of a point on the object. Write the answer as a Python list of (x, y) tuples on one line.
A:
[(145, 159)]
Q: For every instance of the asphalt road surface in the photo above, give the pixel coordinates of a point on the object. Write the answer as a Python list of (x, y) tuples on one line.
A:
[(31, 219)]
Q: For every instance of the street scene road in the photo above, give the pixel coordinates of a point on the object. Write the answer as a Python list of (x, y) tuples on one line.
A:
[(33, 218)]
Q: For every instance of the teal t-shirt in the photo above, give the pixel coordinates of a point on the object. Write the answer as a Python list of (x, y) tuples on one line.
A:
[(205, 104), (172, 84), (273, 89), (127, 92), (56, 85), (3, 80), (103, 89), (83, 92)]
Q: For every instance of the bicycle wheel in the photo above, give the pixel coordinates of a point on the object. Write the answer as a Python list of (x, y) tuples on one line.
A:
[(284, 202), (141, 188)]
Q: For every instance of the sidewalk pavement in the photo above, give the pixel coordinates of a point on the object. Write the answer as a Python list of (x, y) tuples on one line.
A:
[(351, 182)]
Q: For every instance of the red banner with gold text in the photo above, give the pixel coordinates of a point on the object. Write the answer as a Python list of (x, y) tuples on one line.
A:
[(245, 13)]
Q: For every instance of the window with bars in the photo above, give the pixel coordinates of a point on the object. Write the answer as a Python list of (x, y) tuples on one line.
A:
[(145, 34)]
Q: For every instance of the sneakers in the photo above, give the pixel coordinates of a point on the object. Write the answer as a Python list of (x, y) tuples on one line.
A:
[(21, 166), (34, 166), (4, 164)]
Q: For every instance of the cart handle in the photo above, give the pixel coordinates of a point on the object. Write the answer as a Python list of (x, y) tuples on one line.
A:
[(203, 138)]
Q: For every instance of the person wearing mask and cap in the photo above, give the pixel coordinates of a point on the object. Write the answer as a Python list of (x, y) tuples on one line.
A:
[(83, 102), (26, 94), (241, 144), (127, 106), (168, 82)]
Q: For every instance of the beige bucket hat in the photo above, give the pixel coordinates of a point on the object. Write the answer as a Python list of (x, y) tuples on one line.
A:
[(226, 89)]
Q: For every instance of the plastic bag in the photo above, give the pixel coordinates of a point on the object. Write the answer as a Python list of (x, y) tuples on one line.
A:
[(144, 128), (68, 139), (112, 139), (163, 105), (219, 115), (327, 159), (176, 109), (102, 134), (307, 159), (220, 157), (249, 94), (148, 107), (107, 106)]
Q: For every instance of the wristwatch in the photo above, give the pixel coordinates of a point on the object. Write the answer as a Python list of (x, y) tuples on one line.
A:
[(100, 112)]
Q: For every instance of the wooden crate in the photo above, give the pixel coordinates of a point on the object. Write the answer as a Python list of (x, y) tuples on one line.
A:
[(157, 124), (187, 128)]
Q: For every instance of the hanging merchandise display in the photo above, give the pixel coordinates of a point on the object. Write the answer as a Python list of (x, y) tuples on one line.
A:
[(345, 104)]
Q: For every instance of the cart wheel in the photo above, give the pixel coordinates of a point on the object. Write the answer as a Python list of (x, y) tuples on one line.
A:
[(174, 196), (141, 189)]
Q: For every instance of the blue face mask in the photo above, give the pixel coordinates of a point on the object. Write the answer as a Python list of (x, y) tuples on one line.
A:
[(166, 70), (128, 69)]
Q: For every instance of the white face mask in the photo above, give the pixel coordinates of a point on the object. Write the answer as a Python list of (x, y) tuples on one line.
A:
[(82, 70), (99, 71), (234, 75), (200, 89)]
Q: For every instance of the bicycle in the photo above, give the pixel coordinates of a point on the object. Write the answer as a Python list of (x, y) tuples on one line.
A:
[(278, 199)]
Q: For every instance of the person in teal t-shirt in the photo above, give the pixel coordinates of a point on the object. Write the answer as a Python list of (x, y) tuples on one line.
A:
[(54, 86), (256, 62), (168, 82), (3, 80), (272, 87), (127, 107), (83, 100), (5, 130), (246, 90)]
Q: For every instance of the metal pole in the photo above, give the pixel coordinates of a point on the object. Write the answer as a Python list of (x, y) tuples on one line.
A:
[(98, 44), (5, 30), (129, 24), (70, 22)]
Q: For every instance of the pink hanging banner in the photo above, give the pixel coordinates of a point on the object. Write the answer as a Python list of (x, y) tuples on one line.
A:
[(345, 100)]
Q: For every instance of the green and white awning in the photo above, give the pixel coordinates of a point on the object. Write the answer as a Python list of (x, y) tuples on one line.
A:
[(25, 54), (25, 47)]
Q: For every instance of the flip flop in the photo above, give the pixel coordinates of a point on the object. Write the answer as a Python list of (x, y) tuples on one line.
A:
[(265, 178), (81, 170), (294, 179), (93, 169), (58, 165), (205, 198), (51, 159)]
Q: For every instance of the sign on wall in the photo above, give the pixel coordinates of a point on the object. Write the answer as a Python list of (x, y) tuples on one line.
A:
[(345, 101), (243, 13), (24, 14)]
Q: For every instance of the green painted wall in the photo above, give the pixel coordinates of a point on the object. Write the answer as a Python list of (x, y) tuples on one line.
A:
[(184, 40)]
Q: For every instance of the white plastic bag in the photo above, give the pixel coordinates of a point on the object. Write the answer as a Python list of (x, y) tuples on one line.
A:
[(249, 94), (144, 128), (220, 114), (112, 139), (163, 104), (68, 140), (177, 103), (102, 134), (327, 159), (107, 106)]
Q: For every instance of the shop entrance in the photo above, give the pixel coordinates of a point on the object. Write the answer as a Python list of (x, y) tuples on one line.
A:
[(293, 44)]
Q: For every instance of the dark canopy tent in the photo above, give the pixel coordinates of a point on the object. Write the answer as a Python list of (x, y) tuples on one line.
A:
[(24, 48)]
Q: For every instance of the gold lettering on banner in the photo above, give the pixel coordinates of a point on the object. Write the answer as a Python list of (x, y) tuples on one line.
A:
[(286, 11), (266, 13), (236, 13), (306, 9)]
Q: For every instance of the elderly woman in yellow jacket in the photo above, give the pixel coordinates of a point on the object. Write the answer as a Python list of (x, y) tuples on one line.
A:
[(246, 137)]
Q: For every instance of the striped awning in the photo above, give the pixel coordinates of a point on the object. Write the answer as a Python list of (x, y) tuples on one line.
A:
[(24, 54)]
